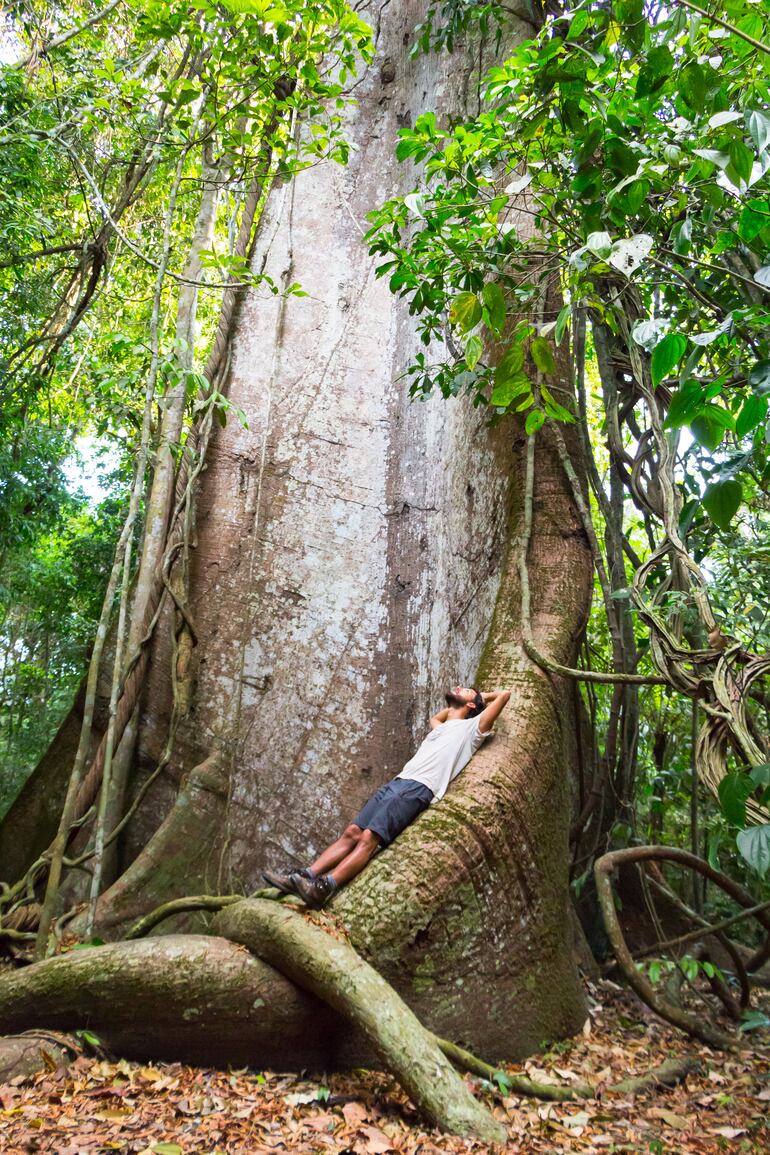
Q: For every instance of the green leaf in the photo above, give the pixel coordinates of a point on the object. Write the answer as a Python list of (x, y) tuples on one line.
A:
[(654, 72), (465, 311), (169, 1148), (709, 427), (741, 161), (649, 333), (473, 350), (759, 377), (561, 323), (722, 501), (542, 355), (415, 202), (508, 390), (406, 147), (620, 158), (89, 1037), (426, 124), (629, 14), (250, 7), (713, 156), (692, 86), (578, 24), (553, 408), (629, 252), (753, 412), (503, 1082), (666, 355), (600, 244), (760, 774), (495, 303), (752, 1019), (713, 844), (733, 791), (689, 967), (758, 124), (535, 421), (685, 403), (754, 845), (754, 218), (720, 119), (682, 236), (510, 365)]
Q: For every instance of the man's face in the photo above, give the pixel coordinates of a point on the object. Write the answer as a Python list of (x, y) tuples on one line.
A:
[(464, 694)]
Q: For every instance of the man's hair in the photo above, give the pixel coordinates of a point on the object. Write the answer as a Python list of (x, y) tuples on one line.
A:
[(475, 708), (478, 704)]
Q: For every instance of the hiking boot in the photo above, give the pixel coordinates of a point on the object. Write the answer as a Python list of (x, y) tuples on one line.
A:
[(316, 892), (283, 882)]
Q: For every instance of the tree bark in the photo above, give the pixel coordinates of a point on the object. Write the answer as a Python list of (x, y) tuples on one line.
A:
[(353, 549)]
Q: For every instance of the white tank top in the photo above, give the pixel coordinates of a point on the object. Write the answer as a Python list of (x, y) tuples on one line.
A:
[(444, 753)]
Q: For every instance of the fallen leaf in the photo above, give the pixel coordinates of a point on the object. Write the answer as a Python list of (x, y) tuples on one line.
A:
[(355, 1113), (113, 1114), (540, 1075), (670, 1118), (298, 1098), (581, 1119), (376, 1140), (728, 1132)]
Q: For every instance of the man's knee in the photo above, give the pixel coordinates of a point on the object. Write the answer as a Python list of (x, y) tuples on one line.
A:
[(369, 839), (353, 832)]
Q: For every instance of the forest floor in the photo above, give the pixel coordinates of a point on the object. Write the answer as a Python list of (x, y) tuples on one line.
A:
[(99, 1106)]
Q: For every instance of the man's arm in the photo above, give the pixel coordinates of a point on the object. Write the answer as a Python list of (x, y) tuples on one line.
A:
[(495, 702), (437, 719)]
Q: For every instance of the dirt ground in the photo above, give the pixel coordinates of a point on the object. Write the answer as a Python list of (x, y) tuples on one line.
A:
[(103, 1105)]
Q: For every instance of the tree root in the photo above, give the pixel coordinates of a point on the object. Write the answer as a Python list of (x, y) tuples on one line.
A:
[(190, 998), (22, 1056), (668, 1074), (521, 1085), (177, 855), (206, 999), (330, 968), (604, 867), (212, 902)]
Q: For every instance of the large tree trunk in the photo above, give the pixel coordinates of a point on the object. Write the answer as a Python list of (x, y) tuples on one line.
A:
[(353, 549)]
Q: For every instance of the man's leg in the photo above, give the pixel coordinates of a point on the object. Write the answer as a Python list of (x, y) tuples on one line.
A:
[(316, 893), (366, 846), (327, 859), (338, 850)]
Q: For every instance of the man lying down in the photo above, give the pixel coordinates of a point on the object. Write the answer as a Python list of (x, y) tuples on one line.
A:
[(456, 734)]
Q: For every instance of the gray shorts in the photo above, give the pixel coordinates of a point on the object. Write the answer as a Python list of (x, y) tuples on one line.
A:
[(393, 808)]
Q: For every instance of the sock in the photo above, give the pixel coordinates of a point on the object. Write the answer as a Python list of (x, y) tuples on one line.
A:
[(328, 878), (308, 873)]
